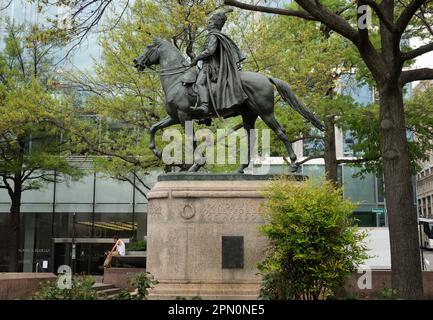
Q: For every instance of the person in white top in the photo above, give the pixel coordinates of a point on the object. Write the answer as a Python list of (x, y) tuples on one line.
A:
[(118, 250)]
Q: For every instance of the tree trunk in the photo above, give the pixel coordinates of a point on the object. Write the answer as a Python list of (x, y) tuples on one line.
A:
[(14, 231), (330, 154), (402, 216)]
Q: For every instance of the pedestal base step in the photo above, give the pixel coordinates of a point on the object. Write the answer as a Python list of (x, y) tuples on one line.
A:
[(206, 291)]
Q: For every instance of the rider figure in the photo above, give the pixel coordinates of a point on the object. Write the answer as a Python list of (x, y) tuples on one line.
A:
[(221, 64)]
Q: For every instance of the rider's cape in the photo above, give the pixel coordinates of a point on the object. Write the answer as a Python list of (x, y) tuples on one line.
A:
[(229, 91)]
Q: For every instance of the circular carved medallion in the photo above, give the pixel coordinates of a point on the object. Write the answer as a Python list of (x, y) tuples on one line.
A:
[(188, 212)]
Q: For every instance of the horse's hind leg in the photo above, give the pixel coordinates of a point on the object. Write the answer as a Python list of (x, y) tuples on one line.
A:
[(249, 120), (272, 123), (164, 123)]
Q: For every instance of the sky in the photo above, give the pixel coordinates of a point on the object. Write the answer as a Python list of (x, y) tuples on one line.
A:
[(22, 11)]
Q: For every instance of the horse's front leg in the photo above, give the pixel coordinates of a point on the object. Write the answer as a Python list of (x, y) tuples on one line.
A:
[(198, 162), (164, 123), (249, 120)]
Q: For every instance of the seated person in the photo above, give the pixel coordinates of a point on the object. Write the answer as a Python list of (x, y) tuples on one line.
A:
[(118, 250)]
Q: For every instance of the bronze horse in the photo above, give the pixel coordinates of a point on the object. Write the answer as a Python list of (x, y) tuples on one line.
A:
[(259, 89)]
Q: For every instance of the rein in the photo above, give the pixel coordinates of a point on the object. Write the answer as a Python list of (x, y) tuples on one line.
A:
[(166, 72)]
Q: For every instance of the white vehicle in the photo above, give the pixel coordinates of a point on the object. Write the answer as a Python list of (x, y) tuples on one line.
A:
[(426, 232)]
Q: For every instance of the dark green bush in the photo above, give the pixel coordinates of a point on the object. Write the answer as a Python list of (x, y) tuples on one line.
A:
[(137, 246), (314, 245), (81, 289)]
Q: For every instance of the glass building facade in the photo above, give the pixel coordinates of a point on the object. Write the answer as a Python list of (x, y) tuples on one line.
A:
[(96, 207)]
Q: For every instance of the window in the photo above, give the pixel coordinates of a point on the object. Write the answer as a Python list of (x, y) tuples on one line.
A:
[(358, 189), (365, 219), (314, 146)]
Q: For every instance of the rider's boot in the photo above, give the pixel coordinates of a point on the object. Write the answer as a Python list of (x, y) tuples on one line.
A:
[(203, 93)]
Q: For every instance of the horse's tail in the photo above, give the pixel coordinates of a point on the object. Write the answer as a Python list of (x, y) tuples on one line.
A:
[(287, 94)]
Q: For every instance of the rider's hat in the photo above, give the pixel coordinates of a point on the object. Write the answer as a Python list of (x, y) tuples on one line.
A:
[(220, 17)]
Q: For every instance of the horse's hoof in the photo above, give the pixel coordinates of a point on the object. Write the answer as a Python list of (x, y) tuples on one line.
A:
[(241, 170), (158, 154), (194, 168), (294, 168)]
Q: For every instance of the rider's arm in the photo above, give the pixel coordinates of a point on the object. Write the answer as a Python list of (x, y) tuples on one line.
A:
[(210, 49)]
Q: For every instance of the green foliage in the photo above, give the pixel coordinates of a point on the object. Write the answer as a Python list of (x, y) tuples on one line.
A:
[(128, 103), (125, 295), (387, 294), (137, 246), (312, 64), (143, 282), (82, 289), (193, 298), (32, 144), (313, 243)]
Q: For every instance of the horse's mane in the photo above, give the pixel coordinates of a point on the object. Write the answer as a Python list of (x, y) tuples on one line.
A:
[(168, 44)]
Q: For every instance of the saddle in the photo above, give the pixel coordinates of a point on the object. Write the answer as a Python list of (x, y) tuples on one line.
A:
[(188, 80), (190, 77)]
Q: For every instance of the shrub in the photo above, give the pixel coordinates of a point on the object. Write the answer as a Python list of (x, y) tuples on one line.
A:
[(387, 294), (314, 245), (143, 281), (124, 295), (81, 289), (138, 246), (192, 298)]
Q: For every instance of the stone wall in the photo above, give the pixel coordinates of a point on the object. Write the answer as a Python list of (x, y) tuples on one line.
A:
[(121, 277), (22, 285)]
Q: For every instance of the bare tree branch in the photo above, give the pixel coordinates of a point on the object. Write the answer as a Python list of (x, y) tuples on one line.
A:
[(416, 75), (357, 160), (141, 181), (310, 158), (7, 185), (124, 178), (6, 6), (417, 52), (331, 19), (381, 15), (408, 14), (87, 15), (421, 15), (280, 11), (305, 138), (321, 13)]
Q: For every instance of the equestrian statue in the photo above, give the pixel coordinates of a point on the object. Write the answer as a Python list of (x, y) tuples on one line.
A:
[(222, 89)]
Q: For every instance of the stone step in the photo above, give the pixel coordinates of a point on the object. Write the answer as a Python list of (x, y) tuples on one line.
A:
[(193, 292), (102, 286), (109, 292), (203, 297)]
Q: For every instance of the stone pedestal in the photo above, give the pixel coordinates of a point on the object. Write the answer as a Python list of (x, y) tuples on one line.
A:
[(203, 237)]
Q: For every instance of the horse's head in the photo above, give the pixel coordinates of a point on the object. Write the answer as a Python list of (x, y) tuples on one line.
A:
[(150, 56)]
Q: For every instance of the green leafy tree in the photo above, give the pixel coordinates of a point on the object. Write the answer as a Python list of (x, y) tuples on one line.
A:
[(126, 102), (33, 150), (380, 43), (314, 246)]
